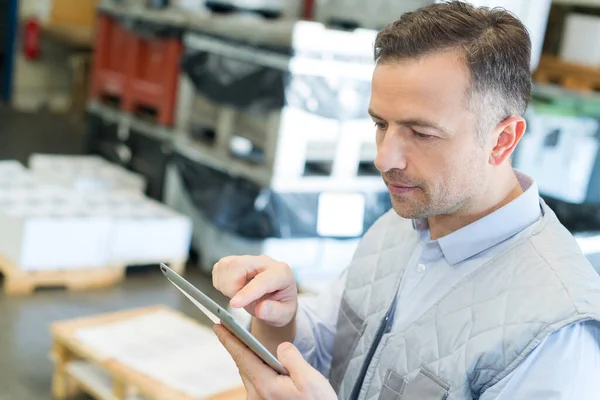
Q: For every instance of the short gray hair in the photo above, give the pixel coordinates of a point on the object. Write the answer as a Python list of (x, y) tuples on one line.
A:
[(496, 48)]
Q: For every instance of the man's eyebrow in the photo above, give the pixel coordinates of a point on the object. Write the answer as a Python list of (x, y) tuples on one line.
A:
[(372, 114), (414, 122)]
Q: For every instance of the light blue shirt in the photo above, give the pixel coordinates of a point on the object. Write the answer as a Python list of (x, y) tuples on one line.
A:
[(565, 366)]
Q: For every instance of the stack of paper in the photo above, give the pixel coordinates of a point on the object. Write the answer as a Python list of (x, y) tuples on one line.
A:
[(175, 351)]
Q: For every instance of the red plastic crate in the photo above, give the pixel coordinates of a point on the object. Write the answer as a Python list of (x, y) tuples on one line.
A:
[(112, 60), (154, 77)]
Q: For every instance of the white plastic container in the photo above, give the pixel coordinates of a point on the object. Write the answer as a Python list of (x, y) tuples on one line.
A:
[(581, 40)]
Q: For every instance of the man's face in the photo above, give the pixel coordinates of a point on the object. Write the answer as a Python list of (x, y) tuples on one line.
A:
[(428, 151)]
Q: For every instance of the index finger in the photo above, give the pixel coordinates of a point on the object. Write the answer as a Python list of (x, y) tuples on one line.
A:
[(232, 273), (249, 364)]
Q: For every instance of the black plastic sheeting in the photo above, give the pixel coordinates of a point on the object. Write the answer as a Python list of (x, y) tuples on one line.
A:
[(249, 84), (147, 29), (575, 217), (239, 206), (236, 83)]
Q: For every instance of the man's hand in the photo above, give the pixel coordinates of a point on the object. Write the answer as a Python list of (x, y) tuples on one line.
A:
[(262, 383), (264, 287)]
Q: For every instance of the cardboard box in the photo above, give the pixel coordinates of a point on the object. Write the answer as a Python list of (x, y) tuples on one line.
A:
[(74, 12)]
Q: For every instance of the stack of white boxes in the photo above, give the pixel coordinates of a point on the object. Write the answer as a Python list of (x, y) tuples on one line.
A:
[(85, 173), (144, 231), (42, 228), (45, 226)]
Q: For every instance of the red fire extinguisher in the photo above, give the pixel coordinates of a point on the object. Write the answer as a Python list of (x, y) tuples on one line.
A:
[(309, 10), (31, 39)]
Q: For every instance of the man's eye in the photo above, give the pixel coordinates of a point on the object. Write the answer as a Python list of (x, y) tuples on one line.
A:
[(380, 125), (423, 136)]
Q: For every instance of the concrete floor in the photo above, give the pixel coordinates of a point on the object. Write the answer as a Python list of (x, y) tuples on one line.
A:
[(25, 369)]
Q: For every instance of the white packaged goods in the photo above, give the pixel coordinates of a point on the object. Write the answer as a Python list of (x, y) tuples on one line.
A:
[(46, 227), (146, 232), (85, 173), (11, 168), (48, 234), (581, 40), (560, 153), (142, 231)]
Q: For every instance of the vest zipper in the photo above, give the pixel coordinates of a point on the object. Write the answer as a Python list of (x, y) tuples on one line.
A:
[(365, 367)]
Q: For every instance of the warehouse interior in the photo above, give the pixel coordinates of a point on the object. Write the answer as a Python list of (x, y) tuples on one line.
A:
[(140, 132)]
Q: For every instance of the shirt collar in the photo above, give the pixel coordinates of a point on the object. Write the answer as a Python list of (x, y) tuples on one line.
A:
[(492, 229)]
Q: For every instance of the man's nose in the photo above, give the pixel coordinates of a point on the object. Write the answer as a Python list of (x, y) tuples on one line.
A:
[(391, 152)]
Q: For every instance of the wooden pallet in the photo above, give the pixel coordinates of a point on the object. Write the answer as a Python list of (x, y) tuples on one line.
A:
[(78, 368), (315, 157), (571, 76), (17, 281)]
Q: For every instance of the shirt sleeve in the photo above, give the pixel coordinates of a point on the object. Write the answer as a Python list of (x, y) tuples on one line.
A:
[(316, 321), (565, 366)]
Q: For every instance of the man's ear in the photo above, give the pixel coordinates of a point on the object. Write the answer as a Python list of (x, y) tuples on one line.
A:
[(508, 133)]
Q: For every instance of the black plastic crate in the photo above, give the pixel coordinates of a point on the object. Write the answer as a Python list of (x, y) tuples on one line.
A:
[(102, 138), (149, 157)]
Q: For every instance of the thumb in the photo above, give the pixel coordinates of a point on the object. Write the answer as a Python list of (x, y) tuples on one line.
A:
[(293, 361), (275, 313)]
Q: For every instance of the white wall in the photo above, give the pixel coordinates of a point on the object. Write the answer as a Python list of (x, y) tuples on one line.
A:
[(44, 82), (35, 8)]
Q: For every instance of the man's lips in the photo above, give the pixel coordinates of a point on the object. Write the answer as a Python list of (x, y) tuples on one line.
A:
[(399, 188)]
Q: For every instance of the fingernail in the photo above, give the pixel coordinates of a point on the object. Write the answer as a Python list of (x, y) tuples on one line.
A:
[(266, 310), (235, 300)]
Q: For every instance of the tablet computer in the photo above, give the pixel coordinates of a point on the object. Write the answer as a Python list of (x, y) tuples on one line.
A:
[(205, 303)]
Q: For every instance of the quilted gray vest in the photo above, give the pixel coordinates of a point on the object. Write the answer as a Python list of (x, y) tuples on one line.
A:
[(479, 331)]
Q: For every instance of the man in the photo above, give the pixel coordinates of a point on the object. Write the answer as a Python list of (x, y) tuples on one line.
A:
[(470, 288)]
